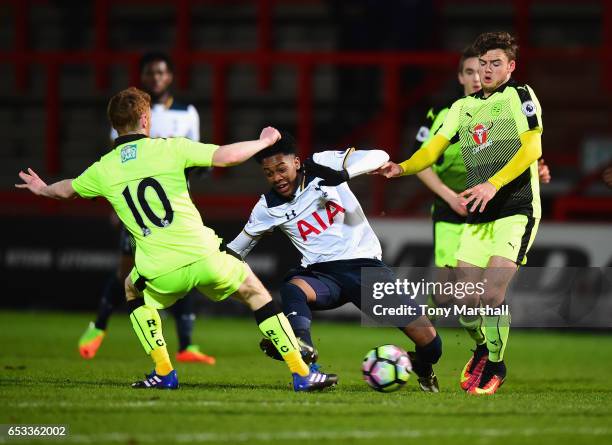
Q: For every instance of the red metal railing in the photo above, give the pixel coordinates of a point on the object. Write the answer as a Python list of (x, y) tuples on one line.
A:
[(577, 202), (385, 126)]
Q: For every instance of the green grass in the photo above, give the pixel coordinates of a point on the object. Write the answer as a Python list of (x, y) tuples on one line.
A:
[(558, 390)]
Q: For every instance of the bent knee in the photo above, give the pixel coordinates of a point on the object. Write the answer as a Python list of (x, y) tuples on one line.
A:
[(131, 293), (252, 292), (302, 285)]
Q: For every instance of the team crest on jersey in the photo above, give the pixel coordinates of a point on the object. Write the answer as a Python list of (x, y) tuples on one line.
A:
[(128, 153), (496, 109), (480, 134), (529, 108), (319, 189)]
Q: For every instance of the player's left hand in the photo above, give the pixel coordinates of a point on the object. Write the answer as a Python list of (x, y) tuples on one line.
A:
[(31, 182), (330, 176), (269, 136), (543, 172), (478, 195)]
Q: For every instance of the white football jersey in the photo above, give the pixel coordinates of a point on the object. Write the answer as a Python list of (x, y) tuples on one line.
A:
[(323, 223), (174, 121)]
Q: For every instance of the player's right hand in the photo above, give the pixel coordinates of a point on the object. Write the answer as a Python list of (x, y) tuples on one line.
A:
[(458, 208), (389, 170), (31, 182), (269, 136), (478, 196), (543, 172)]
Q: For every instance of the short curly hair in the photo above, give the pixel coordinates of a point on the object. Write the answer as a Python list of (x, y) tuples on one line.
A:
[(496, 40), (286, 145), (155, 56), (126, 107)]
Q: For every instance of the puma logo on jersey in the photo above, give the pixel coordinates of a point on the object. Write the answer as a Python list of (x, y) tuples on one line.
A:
[(307, 228)]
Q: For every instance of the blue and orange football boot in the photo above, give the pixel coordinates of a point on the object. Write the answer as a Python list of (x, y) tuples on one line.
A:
[(155, 381), (315, 381)]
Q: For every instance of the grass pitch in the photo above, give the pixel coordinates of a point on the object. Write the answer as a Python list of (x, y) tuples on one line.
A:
[(558, 389)]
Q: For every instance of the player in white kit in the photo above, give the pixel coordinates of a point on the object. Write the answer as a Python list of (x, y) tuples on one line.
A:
[(314, 206), (169, 117)]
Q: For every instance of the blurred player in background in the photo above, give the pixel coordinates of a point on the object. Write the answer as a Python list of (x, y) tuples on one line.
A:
[(144, 180), (499, 129), (321, 216), (169, 118)]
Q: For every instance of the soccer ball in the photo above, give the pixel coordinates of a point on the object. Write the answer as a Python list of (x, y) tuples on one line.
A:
[(386, 368)]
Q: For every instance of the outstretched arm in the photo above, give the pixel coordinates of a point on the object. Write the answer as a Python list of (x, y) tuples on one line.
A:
[(365, 161), (233, 154), (259, 223), (242, 245), (58, 190), (356, 163), (423, 158)]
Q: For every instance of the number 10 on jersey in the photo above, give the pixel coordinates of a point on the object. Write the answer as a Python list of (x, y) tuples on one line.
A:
[(164, 221)]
